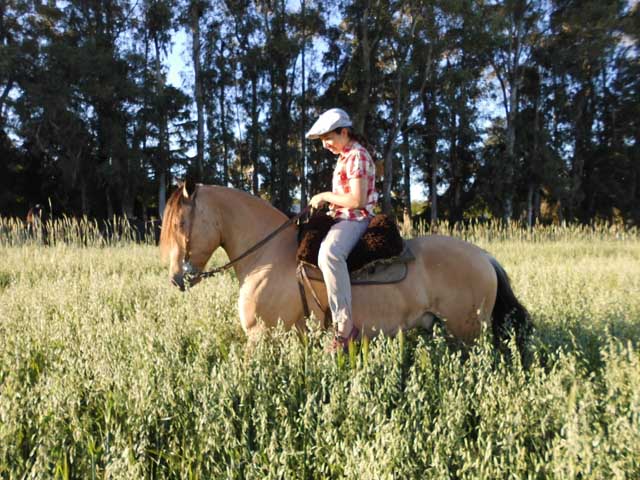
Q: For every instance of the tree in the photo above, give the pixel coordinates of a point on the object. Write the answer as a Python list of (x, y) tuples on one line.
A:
[(512, 33), (408, 72), (196, 11), (158, 17)]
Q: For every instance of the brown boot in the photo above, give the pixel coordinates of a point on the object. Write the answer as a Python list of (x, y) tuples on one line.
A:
[(342, 343)]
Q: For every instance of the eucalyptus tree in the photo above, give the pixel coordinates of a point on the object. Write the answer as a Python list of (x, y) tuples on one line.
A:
[(303, 107), (584, 44), (247, 49), (616, 169), (98, 49), (446, 89), (366, 25), (433, 46), (155, 32), (16, 50), (191, 14), (405, 73), (282, 47), (460, 73), (310, 27), (72, 104), (623, 118), (539, 164), (512, 32), (218, 79), (353, 70), (12, 30)]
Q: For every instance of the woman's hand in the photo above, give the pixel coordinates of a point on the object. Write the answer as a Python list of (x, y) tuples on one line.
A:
[(356, 198), (318, 200)]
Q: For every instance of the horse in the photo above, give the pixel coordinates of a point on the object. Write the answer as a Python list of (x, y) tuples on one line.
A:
[(450, 280)]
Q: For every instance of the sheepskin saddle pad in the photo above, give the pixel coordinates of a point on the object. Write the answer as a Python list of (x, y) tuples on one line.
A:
[(380, 256)]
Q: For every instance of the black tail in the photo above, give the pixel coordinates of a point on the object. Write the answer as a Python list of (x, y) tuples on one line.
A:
[(508, 313)]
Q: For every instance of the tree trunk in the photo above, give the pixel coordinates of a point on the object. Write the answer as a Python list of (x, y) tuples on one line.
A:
[(255, 185), (3, 98), (386, 183), (406, 182), (433, 190), (511, 143), (162, 162), (84, 198), (430, 148), (283, 148), (582, 128), (536, 205), (303, 121), (363, 106), (273, 155), (223, 131), (533, 198), (455, 194), (530, 191), (162, 193), (398, 122), (109, 203), (128, 173), (195, 28)]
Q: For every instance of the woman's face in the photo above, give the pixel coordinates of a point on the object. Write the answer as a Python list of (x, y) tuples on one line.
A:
[(335, 141)]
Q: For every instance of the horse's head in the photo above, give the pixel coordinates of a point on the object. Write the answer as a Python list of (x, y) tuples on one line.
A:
[(190, 233)]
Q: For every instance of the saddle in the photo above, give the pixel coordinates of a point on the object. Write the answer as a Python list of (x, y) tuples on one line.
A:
[(380, 256)]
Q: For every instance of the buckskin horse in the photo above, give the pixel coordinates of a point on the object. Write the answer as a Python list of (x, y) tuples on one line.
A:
[(451, 280)]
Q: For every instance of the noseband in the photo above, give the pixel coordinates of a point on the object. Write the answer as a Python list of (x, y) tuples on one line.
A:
[(191, 274)]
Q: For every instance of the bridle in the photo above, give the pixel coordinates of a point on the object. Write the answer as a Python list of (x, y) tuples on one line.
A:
[(191, 274)]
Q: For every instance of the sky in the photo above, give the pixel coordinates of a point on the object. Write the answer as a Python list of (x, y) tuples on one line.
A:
[(180, 72)]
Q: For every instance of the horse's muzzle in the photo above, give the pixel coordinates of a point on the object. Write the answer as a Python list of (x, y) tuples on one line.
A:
[(178, 281), (186, 278)]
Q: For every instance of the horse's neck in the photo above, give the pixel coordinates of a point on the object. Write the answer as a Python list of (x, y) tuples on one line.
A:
[(245, 221)]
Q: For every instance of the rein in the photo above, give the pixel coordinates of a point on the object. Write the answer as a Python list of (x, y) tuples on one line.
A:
[(190, 274)]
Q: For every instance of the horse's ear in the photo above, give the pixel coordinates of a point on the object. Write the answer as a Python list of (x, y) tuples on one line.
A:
[(188, 187)]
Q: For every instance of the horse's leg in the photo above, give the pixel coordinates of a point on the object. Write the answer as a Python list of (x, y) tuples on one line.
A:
[(251, 325), (266, 303), (463, 315), (463, 297)]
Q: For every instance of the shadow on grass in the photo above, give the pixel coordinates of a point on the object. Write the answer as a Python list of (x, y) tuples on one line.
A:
[(582, 339)]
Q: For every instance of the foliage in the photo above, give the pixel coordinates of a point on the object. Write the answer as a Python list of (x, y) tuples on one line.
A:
[(106, 370), (523, 109)]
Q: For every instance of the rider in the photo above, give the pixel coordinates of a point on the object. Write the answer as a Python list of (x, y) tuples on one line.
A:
[(351, 202)]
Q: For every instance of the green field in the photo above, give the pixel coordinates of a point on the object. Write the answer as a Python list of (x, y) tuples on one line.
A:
[(106, 371)]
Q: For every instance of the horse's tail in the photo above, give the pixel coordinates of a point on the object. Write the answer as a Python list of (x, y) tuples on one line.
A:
[(508, 313)]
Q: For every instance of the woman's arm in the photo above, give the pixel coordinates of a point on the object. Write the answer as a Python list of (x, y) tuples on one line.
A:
[(356, 198)]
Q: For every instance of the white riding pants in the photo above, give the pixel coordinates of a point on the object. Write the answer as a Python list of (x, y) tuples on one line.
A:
[(332, 260)]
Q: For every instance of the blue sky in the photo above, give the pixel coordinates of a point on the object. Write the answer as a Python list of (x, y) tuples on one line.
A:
[(180, 74)]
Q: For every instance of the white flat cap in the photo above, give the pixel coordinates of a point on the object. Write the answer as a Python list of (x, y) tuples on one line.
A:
[(328, 121)]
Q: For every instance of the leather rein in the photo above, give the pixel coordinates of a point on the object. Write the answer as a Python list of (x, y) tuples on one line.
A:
[(190, 274)]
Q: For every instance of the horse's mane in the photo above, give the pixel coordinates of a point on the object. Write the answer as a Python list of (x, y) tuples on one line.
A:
[(175, 204), (171, 211)]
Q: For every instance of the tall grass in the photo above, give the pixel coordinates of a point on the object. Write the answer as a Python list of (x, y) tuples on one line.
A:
[(106, 371), (118, 230), (515, 231), (72, 231)]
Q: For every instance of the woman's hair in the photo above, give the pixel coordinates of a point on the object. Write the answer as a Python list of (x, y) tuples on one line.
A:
[(362, 140)]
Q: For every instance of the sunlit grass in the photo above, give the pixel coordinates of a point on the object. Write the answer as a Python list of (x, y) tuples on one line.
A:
[(106, 371)]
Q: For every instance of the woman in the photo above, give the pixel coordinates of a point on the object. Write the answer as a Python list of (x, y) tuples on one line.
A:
[(351, 203)]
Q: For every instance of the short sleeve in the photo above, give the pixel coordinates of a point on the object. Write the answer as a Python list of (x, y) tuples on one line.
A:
[(357, 165)]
